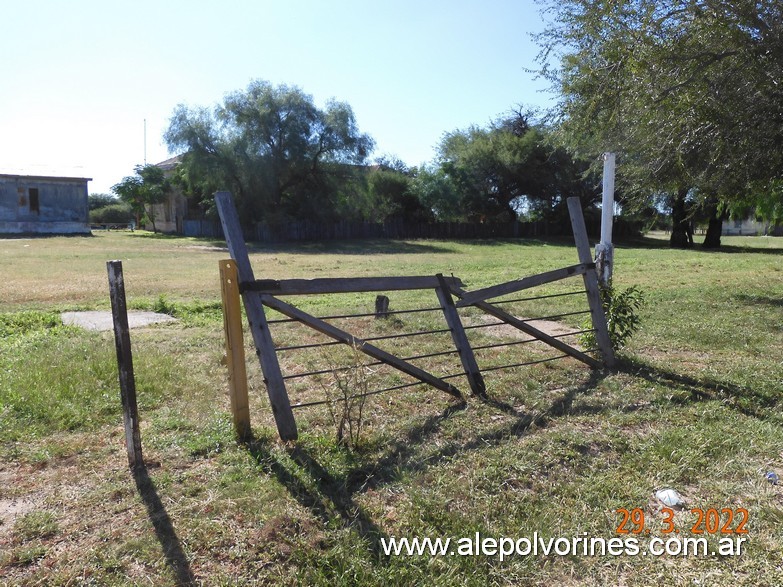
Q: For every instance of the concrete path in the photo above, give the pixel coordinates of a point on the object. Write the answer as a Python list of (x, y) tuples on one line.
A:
[(104, 320)]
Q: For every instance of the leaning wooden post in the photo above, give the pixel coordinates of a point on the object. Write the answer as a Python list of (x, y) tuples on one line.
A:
[(254, 309), (460, 339), (130, 412), (591, 282), (235, 350)]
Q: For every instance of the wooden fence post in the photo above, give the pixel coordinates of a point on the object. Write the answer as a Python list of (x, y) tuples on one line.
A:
[(265, 348), (591, 282), (235, 350), (465, 351), (130, 412)]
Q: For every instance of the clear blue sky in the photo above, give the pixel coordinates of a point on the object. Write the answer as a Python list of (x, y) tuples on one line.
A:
[(79, 78)]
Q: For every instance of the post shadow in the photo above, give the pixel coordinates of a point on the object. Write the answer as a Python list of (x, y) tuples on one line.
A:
[(164, 529)]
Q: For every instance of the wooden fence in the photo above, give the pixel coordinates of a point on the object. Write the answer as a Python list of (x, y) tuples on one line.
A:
[(307, 230)]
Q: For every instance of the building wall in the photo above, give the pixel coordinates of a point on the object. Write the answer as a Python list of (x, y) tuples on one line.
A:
[(169, 215), (43, 205), (746, 227)]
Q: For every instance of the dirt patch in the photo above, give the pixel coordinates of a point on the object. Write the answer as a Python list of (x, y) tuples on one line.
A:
[(507, 331), (98, 320)]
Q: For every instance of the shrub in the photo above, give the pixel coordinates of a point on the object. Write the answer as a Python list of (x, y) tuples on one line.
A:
[(112, 214), (622, 315)]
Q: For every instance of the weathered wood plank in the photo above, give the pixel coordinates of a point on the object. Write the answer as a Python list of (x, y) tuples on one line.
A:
[(130, 411), (333, 285), (591, 282), (358, 344), (531, 330), (265, 349), (502, 289), (460, 339), (235, 350)]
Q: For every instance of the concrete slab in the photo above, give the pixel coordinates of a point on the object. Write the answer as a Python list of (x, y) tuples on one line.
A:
[(101, 320)]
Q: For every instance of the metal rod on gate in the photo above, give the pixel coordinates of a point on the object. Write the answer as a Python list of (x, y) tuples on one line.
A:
[(235, 350), (130, 411)]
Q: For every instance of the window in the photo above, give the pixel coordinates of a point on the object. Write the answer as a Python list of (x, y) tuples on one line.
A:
[(34, 208)]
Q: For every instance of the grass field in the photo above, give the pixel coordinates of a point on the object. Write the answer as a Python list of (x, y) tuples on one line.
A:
[(557, 450)]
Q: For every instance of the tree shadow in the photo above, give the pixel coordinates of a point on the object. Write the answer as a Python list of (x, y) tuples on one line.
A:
[(352, 247), (754, 300), (164, 529), (749, 402)]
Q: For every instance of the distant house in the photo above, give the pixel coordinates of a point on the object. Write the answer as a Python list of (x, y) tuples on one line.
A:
[(31, 204), (170, 215), (747, 227)]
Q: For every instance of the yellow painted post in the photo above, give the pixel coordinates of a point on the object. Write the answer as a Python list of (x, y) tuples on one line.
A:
[(235, 349)]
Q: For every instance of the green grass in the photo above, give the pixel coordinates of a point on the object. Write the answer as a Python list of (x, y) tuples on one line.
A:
[(694, 405)]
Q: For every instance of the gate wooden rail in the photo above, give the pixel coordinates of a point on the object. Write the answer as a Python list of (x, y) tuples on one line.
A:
[(267, 292)]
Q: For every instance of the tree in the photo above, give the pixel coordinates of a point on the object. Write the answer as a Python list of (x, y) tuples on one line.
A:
[(278, 153), (494, 172), (391, 189), (143, 190), (688, 92), (95, 201)]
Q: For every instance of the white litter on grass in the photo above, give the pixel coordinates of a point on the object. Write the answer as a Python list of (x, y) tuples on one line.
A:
[(97, 320), (670, 498)]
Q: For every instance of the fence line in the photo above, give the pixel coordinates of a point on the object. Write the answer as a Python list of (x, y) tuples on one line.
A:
[(307, 230)]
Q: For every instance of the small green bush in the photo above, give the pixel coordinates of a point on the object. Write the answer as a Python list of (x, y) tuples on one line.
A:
[(622, 315)]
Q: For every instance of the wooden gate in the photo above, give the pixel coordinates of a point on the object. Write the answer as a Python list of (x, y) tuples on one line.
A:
[(267, 292)]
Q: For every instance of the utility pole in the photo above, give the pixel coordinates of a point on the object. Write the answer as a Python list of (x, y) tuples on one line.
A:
[(145, 142)]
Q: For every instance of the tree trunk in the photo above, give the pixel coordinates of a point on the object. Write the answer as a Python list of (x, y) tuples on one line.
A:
[(151, 216), (682, 235), (715, 226)]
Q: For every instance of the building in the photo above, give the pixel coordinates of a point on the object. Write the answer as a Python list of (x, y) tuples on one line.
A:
[(748, 227), (170, 214), (31, 204)]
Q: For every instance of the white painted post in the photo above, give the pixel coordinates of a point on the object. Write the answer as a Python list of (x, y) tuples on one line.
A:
[(604, 251)]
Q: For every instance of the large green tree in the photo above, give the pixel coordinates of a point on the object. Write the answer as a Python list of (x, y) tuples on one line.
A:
[(688, 92), (494, 172), (279, 154)]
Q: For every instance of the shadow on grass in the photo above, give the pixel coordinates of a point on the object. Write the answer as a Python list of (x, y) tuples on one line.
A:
[(164, 529), (749, 402), (331, 497), (753, 300)]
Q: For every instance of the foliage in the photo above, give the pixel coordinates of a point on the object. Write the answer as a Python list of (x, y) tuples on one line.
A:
[(278, 153), (392, 193), (118, 213), (149, 186), (95, 201), (622, 315), (499, 172), (687, 92)]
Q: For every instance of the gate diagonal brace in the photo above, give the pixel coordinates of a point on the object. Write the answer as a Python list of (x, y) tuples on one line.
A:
[(480, 295), (527, 328), (358, 344)]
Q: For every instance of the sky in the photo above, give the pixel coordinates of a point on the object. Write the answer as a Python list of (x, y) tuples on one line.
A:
[(79, 79)]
